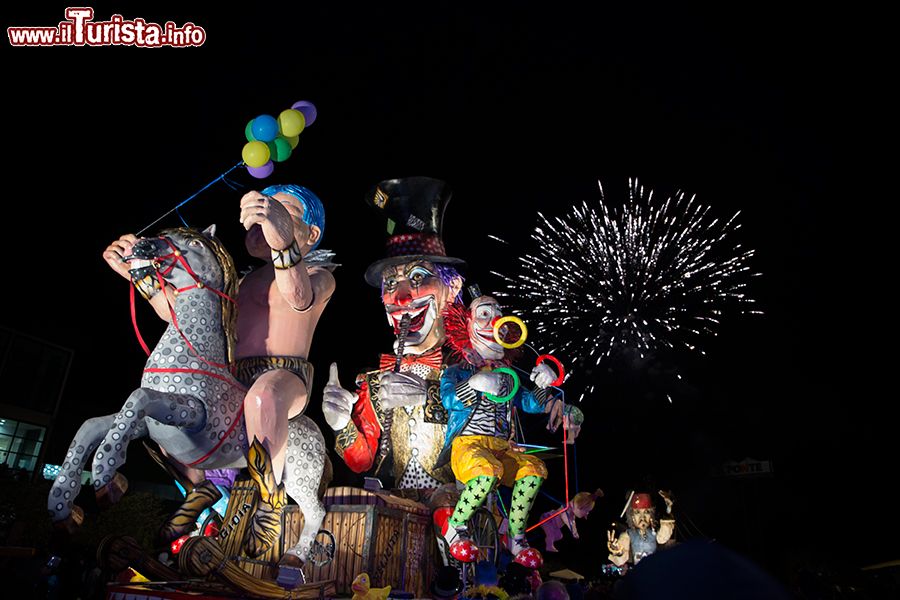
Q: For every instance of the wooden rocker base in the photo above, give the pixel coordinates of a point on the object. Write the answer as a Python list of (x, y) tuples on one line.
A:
[(203, 557)]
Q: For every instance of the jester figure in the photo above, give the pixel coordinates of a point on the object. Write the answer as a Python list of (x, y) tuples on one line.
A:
[(480, 402), (395, 423)]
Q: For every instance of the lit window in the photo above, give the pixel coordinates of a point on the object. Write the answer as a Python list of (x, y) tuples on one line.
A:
[(20, 444)]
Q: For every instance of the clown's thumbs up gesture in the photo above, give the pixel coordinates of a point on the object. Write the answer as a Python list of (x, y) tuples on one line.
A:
[(337, 403)]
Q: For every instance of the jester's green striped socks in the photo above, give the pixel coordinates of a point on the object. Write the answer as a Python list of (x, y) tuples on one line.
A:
[(475, 494), (523, 495)]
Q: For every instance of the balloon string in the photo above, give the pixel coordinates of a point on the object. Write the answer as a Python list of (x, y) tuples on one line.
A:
[(233, 184), (194, 195)]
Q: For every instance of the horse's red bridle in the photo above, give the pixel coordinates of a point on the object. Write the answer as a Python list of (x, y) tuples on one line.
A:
[(178, 257)]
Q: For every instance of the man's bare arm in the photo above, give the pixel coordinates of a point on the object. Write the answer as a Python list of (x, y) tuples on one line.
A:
[(302, 288), (298, 287)]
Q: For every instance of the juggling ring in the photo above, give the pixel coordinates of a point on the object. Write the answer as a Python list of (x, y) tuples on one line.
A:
[(509, 396), (562, 372), (503, 320)]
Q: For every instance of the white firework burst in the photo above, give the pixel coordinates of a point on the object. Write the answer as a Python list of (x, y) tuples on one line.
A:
[(646, 276)]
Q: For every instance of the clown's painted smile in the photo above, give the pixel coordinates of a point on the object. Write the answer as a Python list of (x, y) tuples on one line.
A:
[(421, 312), (486, 333), (416, 289)]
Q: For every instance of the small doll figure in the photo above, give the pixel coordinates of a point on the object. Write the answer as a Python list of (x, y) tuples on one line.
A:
[(579, 508)]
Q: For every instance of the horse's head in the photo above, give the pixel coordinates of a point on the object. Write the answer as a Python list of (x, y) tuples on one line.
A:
[(182, 257), (187, 259)]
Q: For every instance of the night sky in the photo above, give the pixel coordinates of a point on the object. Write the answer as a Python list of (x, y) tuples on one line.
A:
[(519, 109)]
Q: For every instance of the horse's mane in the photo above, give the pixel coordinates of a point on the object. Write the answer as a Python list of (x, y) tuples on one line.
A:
[(230, 278)]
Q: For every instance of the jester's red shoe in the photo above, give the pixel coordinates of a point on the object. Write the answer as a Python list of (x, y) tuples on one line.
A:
[(461, 547), (530, 558), (524, 554)]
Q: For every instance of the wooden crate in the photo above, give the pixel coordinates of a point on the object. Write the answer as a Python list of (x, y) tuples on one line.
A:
[(389, 538)]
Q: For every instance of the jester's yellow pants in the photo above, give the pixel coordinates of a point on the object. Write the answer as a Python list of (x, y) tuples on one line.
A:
[(476, 455)]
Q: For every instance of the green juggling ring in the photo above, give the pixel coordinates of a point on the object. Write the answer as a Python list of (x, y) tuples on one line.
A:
[(509, 396)]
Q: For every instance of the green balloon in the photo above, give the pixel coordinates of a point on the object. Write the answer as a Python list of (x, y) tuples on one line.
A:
[(248, 131), (280, 149)]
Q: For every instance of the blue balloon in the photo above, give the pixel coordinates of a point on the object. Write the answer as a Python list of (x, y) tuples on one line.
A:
[(265, 128)]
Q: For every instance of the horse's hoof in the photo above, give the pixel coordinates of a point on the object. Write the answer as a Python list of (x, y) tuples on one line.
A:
[(290, 572), (112, 492), (72, 523)]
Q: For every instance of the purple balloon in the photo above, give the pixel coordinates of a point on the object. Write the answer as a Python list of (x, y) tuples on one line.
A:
[(308, 109), (263, 171)]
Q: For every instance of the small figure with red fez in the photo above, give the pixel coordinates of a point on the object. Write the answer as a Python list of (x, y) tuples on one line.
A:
[(644, 533)]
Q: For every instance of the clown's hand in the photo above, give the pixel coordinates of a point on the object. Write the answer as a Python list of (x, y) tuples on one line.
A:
[(337, 403), (401, 389), (497, 384), (271, 216), (542, 375)]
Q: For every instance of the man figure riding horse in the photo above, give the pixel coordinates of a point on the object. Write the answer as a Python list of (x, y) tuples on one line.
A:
[(279, 305)]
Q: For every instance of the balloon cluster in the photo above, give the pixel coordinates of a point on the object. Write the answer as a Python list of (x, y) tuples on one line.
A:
[(271, 140)]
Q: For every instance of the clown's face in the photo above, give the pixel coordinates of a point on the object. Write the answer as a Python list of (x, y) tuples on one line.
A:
[(483, 311), (642, 518), (414, 288)]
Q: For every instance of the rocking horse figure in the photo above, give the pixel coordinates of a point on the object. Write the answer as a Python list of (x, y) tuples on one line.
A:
[(189, 402)]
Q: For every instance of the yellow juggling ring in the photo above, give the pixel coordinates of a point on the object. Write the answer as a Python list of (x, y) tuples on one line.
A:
[(503, 320)]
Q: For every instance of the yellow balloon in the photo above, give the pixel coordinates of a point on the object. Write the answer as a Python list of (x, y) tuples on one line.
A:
[(255, 154), (293, 140), (291, 122)]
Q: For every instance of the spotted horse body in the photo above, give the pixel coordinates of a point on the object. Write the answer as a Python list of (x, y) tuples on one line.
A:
[(188, 401)]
